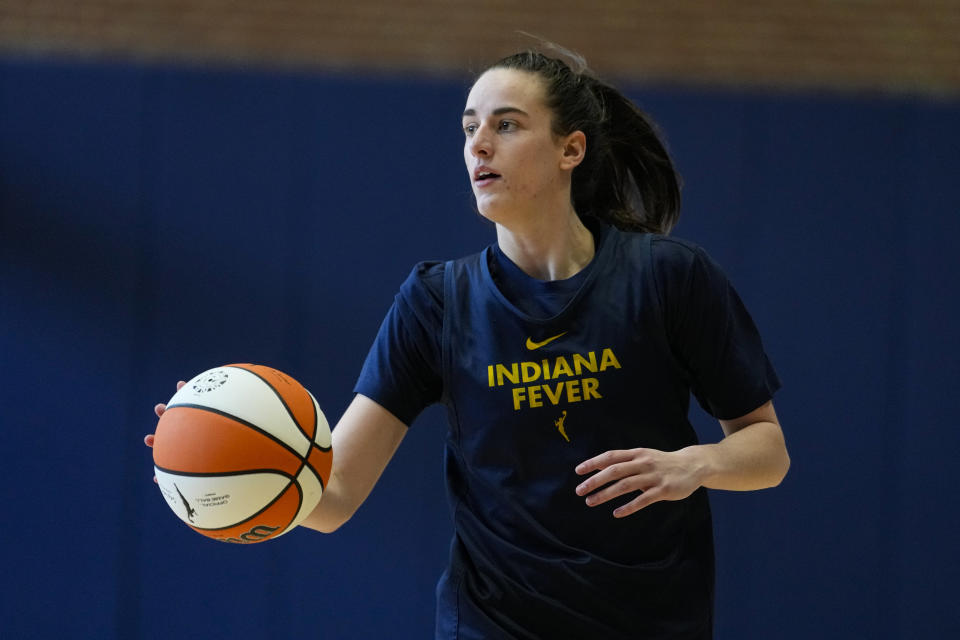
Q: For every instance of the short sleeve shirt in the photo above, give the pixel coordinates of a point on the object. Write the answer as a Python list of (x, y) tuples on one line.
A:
[(537, 377)]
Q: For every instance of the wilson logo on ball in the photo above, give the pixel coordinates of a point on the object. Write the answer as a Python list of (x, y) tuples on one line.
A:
[(258, 533)]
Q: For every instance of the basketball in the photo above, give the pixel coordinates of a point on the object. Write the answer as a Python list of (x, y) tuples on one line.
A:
[(242, 453)]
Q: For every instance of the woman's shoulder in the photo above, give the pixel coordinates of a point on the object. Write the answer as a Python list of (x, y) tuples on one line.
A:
[(422, 291), (671, 248), (664, 253), (425, 281), (676, 264), (425, 275)]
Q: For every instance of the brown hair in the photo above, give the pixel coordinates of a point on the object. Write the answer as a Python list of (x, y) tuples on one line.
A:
[(627, 178)]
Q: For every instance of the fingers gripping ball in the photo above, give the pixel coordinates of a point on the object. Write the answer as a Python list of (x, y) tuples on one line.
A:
[(242, 453)]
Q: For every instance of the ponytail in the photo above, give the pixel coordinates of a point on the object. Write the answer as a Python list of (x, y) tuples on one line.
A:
[(632, 183), (627, 178)]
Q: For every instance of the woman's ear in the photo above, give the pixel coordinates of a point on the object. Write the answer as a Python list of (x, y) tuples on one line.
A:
[(574, 147)]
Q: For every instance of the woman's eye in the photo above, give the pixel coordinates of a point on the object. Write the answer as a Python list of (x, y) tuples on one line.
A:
[(506, 125), (469, 129)]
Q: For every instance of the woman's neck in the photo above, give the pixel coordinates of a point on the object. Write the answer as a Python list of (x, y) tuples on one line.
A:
[(547, 250)]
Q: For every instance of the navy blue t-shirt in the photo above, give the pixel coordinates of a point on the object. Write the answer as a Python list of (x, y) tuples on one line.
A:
[(537, 377)]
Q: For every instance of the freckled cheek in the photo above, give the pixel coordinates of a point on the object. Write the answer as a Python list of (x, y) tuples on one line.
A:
[(532, 186)]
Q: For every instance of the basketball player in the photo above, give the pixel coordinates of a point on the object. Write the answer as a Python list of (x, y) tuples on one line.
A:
[(565, 354)]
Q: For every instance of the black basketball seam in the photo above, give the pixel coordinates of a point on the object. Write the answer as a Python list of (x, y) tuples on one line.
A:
[(265, 507), (316, 473), (316, 420), (292, 479), (280, 398), (299, 506), (313, 406), (245, 423), (214, 474)]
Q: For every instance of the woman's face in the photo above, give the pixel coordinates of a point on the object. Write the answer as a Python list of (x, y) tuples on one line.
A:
[(514, 161)]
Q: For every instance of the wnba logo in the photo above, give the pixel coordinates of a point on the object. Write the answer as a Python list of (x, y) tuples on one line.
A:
[(258, 533), (210, 381)]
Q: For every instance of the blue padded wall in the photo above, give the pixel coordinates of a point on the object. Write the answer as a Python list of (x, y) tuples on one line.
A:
[(155, 222)]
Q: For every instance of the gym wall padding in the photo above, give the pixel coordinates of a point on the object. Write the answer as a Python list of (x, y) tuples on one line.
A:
[(157, 221)]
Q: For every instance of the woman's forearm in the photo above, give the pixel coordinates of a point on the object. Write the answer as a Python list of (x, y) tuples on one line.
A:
[(753, 457)]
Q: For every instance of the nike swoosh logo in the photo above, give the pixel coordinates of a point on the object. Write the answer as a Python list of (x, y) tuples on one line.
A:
[(531, 345)]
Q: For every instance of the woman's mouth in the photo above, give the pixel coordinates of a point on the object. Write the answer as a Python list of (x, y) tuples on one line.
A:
[(484, 177)]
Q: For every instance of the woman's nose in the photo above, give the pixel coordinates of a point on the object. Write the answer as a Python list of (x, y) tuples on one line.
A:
[(480, 143)]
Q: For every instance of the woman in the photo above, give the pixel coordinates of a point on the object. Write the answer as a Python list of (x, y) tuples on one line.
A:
[(565, 355)]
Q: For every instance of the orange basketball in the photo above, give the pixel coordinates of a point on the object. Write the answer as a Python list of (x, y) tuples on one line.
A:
[(242, 453)]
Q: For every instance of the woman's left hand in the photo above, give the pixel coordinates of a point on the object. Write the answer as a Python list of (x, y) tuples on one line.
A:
[(657, 475)]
